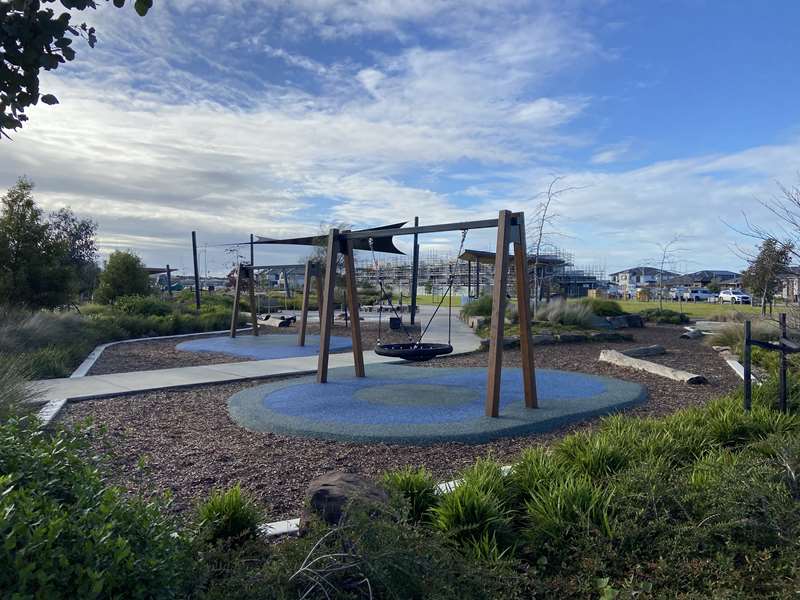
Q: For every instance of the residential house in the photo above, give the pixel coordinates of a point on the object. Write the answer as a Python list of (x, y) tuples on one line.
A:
[(630, 280)]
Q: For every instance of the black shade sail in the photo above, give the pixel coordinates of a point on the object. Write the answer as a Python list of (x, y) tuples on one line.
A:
[(381, 244)]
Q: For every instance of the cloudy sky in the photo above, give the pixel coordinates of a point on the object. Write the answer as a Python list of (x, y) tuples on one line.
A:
[(272, 117)]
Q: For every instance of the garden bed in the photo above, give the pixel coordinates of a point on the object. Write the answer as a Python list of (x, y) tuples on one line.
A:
[(185, 442)]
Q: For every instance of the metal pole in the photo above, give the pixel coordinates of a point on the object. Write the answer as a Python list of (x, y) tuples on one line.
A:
[(252, 252), (478, 278), (169, 281), (748, 384), (414, 269), (196, 272), (783, 404)]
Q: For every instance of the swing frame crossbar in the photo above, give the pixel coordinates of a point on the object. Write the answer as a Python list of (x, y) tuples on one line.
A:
[(510, 230)]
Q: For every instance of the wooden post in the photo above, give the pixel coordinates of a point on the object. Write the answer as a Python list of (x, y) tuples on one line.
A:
[(318, 276), (498, 315), (478, 278), (748, 384), (252, 252), (169, 281), (301, 334), (237, 294), (252, 295), (326, 322), (352, 303), (523, 310), (783, 403)]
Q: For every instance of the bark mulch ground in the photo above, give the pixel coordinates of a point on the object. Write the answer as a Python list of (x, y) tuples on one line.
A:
[(162, 354), (184, 441)]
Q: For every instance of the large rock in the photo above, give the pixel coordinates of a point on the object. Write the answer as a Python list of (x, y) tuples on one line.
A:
[(329, 496), (509, 342), (609, 336), (654, 350), (596, 322), (620, 322), (572, 337), (692, 334), (634, 320)]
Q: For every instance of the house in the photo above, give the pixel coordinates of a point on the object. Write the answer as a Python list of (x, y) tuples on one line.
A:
[(629, 280), (725, 279), (789, 287)]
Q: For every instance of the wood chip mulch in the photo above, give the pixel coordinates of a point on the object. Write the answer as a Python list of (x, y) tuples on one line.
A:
[(185, 442)]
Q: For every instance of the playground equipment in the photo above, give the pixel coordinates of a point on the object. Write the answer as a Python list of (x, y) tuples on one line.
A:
[(510, 230)]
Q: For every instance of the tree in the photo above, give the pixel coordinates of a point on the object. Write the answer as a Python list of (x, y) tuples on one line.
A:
[(78, 235), (33, 38), (35, 269), (666, 257), (124, 275), (762, 276)]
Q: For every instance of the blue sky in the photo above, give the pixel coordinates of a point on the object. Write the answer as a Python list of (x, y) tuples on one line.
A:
[(280, 118)]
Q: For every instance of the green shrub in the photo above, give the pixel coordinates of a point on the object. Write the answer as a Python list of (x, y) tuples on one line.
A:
[(576, 314), (67, 534), (417, 486), (533, 472), (603, 307), (228, 515), (664, 315), (14, 392), (596, 455), (143, 305), (733, 335), (481, 307)]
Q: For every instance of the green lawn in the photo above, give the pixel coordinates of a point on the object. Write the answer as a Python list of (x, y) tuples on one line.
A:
[(693, 309)]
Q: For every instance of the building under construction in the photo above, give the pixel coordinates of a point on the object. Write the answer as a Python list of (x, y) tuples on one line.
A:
[(552, 273)]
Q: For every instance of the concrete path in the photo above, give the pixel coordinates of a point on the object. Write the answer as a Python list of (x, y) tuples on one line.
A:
[(93, 386)]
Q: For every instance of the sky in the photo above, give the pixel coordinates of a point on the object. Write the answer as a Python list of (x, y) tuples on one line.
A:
[(283, 118)]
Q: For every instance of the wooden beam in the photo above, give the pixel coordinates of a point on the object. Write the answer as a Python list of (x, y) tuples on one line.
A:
[(301, 334), (326, 322), (235, 309), (382, 233), (319, 278), (524, 312), (498, 315), (252, 295), (619, 359), (352, 302)]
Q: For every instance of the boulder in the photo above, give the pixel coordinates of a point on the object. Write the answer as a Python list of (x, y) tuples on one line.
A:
[(654, 350), (572, 337), (634, 320), (542, 339), (599, 322), (509, 342), (610, 336), (329, 496), (692, 334), (620, 322)]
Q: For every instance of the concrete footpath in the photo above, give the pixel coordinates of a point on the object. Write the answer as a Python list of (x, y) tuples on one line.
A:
[(56, 392)]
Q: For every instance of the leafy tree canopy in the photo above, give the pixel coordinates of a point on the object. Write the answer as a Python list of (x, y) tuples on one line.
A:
[(762, 276), (124, 275), (35, 265), (33, 37)]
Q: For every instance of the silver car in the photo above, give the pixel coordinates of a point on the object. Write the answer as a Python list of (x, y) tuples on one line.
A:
[(734, 297)]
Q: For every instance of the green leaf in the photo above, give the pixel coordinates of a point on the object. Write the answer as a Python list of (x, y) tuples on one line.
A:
[(49, 99), (142, 6), (119, 3)]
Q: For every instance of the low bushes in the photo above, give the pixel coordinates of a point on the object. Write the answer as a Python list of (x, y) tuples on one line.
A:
[(228, 515), (481, 307), (67, 534), (664, 315), (732, 335), (575, 314), (603, 307)]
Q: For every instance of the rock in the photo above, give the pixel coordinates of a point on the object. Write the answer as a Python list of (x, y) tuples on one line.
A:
[(328, 496), (572, 337), (599, 322), (635, 321), (509, 342), (542, 339), (721, 348), (654, 350), (692, 334), (609, 336), (617, 322)]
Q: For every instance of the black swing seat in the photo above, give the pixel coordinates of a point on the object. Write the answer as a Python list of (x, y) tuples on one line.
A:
[(415, 352)]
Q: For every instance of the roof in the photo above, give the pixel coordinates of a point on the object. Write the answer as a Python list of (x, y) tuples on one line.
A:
[(644, 271), (705, 275), (488, 258)]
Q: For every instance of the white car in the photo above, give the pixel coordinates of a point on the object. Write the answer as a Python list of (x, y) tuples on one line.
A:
[(698, 295), (734, 297)]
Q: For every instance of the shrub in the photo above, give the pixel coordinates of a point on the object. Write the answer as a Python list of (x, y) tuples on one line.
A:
[(733, 335), (143, 305), (596, 455), (13, 389), (228, 515), (417, 486), (576, 314), (124, 274), (603, 307), (481, 307), (664, 315), (68, 534)]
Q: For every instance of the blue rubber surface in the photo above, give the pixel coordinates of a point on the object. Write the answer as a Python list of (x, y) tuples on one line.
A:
[(412, 405), (263, 347)]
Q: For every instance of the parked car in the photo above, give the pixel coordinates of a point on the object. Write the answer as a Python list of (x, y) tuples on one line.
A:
[(699, 295), (677, 293), (735, 297)]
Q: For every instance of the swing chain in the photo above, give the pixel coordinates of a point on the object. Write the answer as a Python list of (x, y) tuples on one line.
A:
[(388, 297)]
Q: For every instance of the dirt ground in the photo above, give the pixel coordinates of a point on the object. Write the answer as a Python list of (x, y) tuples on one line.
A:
[(184, 441)]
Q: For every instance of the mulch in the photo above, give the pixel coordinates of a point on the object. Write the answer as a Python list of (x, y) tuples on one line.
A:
[(185, 442), (145, 355)]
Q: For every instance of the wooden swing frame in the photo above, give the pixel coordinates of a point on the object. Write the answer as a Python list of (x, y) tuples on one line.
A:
[(510, 230)]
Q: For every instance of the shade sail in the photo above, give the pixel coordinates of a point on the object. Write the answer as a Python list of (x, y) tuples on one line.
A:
[(381, 244)]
